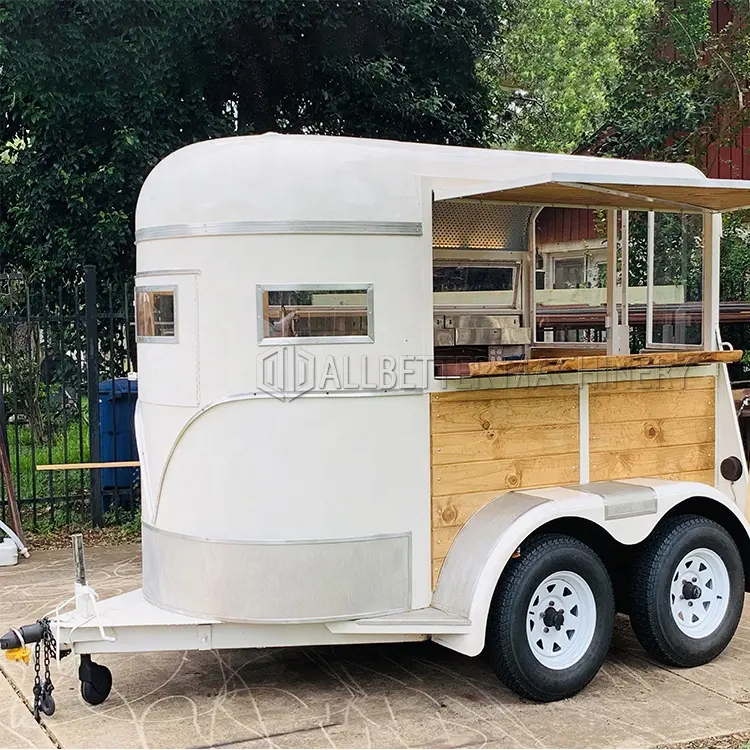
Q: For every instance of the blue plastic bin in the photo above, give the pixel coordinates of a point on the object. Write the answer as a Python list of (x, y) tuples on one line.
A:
[(117, 434)]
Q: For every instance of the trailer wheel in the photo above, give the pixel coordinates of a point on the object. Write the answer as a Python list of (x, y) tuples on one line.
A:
[(551, 619), (96, 681), (687, 591)]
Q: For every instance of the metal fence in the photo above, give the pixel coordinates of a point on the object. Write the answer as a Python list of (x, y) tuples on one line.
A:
[(57, 351)]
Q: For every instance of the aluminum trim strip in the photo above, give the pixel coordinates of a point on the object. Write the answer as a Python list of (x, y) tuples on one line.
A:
[(255, 542), (621, 499), (224, 228)]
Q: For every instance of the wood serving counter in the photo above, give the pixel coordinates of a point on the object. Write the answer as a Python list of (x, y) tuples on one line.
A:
[(583, 363)]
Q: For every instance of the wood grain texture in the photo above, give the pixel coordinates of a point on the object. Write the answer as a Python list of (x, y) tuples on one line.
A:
[(651, 462), (503, 475), (502, 443), (656, 428), (651, 433), (505, 393), (504, 414), (643, 406), (486, 442), (584, 364)]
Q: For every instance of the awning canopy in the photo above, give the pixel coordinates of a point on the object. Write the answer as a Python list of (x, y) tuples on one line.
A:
[(692, 195)]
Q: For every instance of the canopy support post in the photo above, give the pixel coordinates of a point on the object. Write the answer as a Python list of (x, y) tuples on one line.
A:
[(612, 321), (650, 278), (625, 243), (711, 249), (529, 296)]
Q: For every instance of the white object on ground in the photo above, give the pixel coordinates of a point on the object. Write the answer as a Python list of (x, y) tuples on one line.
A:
[(16, 541), (8, 552)]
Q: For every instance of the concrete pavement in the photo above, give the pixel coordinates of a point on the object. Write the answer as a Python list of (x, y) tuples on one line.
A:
[(356, 696)]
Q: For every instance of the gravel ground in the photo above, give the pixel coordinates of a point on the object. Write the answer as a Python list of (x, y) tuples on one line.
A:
[(739, 739)]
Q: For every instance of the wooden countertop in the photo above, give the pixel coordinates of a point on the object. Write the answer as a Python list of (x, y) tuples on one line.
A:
[(584, 363)]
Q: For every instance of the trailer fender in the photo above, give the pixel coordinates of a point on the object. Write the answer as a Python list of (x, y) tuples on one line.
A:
[(628, 510)]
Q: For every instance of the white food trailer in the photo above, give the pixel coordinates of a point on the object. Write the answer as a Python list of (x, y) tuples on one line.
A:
[(350, 429)]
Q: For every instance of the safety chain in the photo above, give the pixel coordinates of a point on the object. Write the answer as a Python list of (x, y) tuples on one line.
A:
[(43, 700)]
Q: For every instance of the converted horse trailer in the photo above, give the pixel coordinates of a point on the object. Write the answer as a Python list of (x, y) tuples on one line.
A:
[(351, 428)]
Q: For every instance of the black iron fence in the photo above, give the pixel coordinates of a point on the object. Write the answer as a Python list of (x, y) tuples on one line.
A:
[(67, 399)]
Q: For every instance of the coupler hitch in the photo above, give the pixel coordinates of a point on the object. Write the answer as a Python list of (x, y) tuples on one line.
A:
[(19, 637)]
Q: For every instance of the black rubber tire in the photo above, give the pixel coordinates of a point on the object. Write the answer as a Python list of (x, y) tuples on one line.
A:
[(97, 690), (507, 645), (650, 608)]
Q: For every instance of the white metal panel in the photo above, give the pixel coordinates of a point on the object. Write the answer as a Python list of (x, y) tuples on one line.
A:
[(314, 468), (728, 441), (134, 625), (711, 242), (171, 366), (303, 177)]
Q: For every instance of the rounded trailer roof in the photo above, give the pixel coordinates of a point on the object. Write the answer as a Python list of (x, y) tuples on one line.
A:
[(276, 177)]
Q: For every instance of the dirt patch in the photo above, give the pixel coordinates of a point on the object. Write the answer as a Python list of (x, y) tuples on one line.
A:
[(109, 536), (738, 739)]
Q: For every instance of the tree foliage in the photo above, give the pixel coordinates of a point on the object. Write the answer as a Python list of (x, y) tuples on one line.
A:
[(94, 92), (684, 99), (686, 89), (555, 67)]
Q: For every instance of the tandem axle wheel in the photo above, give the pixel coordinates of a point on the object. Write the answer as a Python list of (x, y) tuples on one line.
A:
[(96, 681)]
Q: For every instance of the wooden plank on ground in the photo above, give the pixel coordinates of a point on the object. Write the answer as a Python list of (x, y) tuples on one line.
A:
[(93, 465)]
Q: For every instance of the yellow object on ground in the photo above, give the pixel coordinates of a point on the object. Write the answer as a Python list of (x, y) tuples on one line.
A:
[(22, 653)]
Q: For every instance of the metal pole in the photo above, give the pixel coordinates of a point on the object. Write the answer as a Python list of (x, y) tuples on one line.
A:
[(92, 382), (529, 298), (650, 278), (711, 240), (612, 319), (625, 242), (78, 559)]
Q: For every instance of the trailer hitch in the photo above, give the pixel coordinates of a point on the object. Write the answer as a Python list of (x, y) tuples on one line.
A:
[(19, 637)]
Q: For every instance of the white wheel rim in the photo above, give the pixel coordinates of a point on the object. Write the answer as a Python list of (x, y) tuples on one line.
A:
[(561, 620), (699, 593)]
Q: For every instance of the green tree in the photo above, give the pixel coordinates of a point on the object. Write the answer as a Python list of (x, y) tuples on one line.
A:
[(684, 95), (555, 66), (94, 92)]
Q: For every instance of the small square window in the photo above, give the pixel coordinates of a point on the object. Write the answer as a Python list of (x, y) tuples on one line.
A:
[(155, 314)]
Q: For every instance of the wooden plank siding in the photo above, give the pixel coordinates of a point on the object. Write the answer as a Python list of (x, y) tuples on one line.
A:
[(487, 442), (659, 428)]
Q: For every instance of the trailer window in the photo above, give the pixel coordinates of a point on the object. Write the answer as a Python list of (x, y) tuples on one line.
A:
[(155, 314), (315, 313), (461, 283)]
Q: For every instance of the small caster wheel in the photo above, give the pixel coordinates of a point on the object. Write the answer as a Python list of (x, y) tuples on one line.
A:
[(96, 681)]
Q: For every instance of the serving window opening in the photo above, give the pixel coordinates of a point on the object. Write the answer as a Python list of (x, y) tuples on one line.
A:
[(633, 282), (479, 252), (315, 313), (156, 314)]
